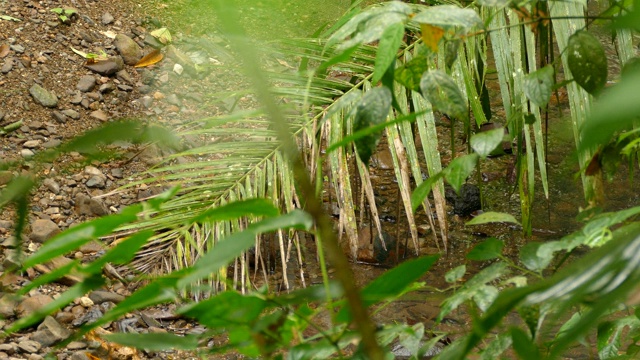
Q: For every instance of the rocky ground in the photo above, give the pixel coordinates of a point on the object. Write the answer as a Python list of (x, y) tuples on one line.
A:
[(48, 94)]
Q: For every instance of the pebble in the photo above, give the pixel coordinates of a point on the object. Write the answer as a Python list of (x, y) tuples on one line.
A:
[(7, 66), (50, 332), (71, 113), (130, 51), (101, 296), (31, 144), (26, 153), (100, 115), (32, 304), (107, 18), (107, 88), (51, 185), (29, 346), (86, 302), (59, 117), (107, 67)]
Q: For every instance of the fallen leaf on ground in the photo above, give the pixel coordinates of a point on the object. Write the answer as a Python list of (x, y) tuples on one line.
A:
[(151, 58)]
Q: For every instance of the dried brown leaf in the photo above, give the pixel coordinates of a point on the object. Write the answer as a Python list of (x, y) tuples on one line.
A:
[(151, 58)]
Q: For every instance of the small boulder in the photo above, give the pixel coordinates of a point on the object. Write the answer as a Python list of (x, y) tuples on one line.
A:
[(32, 304), (43, 229), (86, 83), (130, 51), (43, 96), (50, 332), (107, 67)]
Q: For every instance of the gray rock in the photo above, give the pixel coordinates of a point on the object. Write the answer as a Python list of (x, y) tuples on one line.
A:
[(12, 259), (123, 87), (86, 83), (86, 205), (42, 230), (89, 317), (31, 144), (35, 357), (76, 345), (100, 115), (79, 355), (130, 51), (59, 117), (107, 88), (173, 100), (71, 113), (9, 348), (26, 153), (152, 41), (43, 97), (51, 143), (117, 172), (50, 332), (29, 346), (107, 18), (124, 76), (95, 182), (17, 48), (7, 66), (107, 67), (52, 185), (101, 296), (76, 99), (32, 304)]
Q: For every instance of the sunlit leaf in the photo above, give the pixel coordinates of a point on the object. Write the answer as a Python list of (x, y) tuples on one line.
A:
[(491, 217), (387, 50), (431, 36), (484, 143), (486, 250), (163, 35), (443, 93), (151, 58), (530, 259), (226, 308), (538, 85)]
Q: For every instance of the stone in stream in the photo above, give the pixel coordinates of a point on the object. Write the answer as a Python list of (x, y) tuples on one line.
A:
[(43, 96), (130, 51), (467, 202)]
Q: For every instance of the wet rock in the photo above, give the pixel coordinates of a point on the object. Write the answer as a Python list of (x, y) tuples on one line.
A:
[(101, 296), (107, 67), (43, 96), (50, 332), (86, 205), (467, 202), (32, 304), (130, 51), (42, 230), (86, 83), (100, 115), (29, 346)]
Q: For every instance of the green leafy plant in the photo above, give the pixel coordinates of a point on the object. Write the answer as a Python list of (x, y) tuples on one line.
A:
[(65, 15)]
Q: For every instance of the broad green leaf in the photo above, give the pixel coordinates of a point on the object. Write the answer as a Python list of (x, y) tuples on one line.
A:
[(484, 143), (422, 191), (455, 274), (410, 73), (538, 85), (234, 210), (496, 347), (459, 170), (431, 36), (372, 110), (443, 93), (486, 250), (155, 342), (451, 48), (472, 287), (387, 50), (587, 61), (485, 296), (616, 109), (491, 217), (530, 259), (374, 29), (449, 16), (496, 3), (610, 335), (226, 309), (411, 338), (523, 345)]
